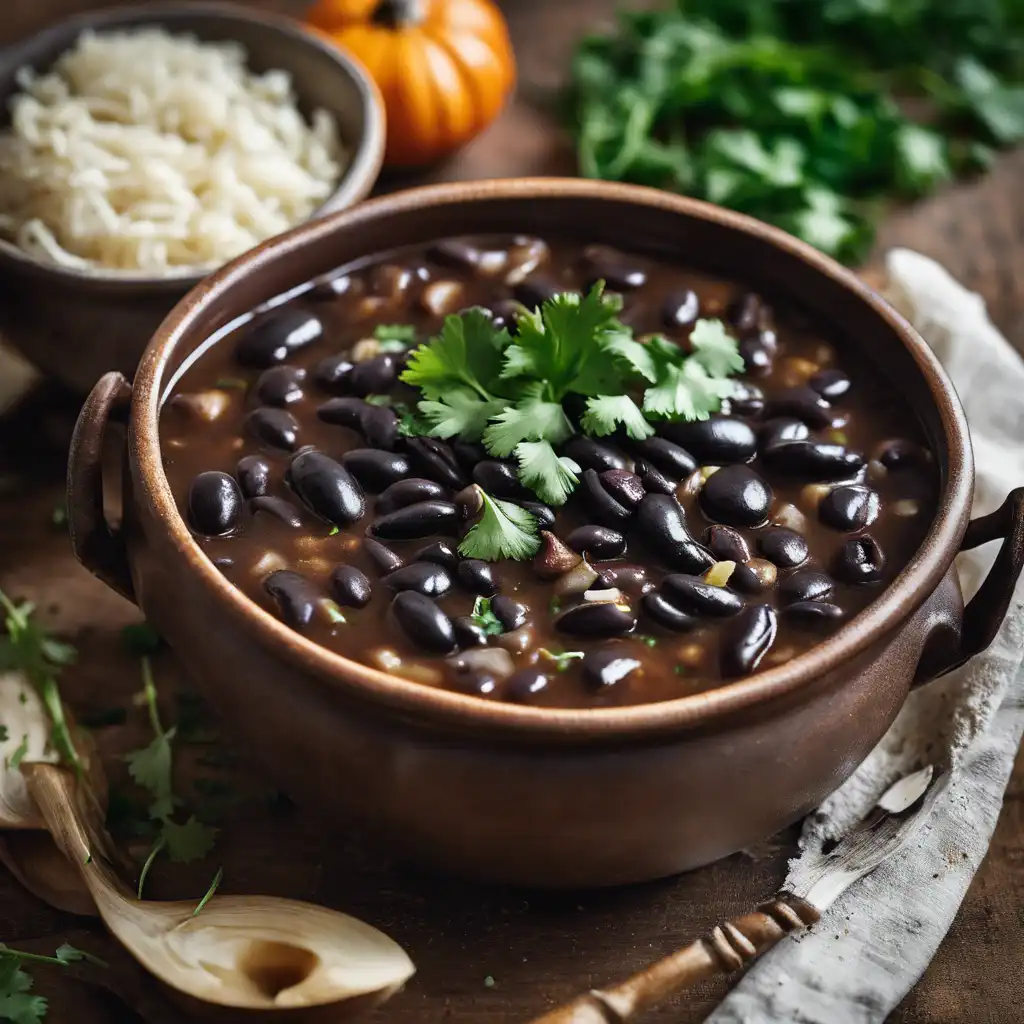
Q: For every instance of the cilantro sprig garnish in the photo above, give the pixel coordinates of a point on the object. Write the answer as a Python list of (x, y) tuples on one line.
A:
[(151, 768), (29, 649), (480, 383), (17, 1002), (483, 617)]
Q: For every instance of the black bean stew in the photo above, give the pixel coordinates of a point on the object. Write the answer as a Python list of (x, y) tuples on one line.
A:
[(694, 557)]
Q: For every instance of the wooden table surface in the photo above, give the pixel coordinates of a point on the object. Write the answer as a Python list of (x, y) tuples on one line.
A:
[(483, 955)]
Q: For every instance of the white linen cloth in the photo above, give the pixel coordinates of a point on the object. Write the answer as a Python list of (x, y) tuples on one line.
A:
[(874, 943)]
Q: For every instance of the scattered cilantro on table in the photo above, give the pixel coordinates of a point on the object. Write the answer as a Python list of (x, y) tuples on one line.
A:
[(793, 110), (513, 393), (17, 1003), (28, 648)]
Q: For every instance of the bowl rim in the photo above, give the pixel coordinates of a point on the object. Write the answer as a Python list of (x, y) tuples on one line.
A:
[(905, 593), (357, 178)]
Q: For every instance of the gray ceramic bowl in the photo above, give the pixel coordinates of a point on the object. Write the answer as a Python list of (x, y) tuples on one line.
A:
[(75, 324)]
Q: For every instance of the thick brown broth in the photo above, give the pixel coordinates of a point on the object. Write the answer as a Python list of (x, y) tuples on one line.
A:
[(652, 663)]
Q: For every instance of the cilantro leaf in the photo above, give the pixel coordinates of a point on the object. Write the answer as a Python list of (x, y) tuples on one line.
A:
[(208, 895), (531, 419), (715, 350), (14, 762), (551, 477), (686, 392), (191, 841), (561, 659), (504, 530), (150, 767), (605, 414), (460, 412), (483, 617), (16, 1004), (467, 352), (395, 332)]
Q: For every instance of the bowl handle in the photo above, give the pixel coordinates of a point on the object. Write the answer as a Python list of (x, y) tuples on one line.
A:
[(985, 611), (97, 545)]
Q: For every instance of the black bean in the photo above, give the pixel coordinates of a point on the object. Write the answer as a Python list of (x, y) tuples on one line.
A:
[(280, 385), (382, 556), (409, 492), (757, 360), (468, 633), (668, 457), (452, 252), (661, 525), (860, 560), (282, 510), (631, 579), (391, 280), (343, 412), (525, 685), (476, 682), (499, 479), (803, 403), (434, 459), (599, 504), (275, 428), (746, 400), (747, 639), (903, 454), (331, 286), (784, 428), (736, 495), (830, 384), (425, 624), (726, 544), (680, 309), (597, 542), (652, 478), (379, 425), (814, 614), (510, 613), (601, 618), (277, 336), (535, 290), (415, 521), (849, 508), (505, 315), (468, 453), (625, 487), (591, 454), (478, 577), (326, 487), (784, 547), (602, 263), (715, 441), (214, 503), (253, 472), (812, 460), (334, 374), (544, 514), (295, 596), (805, 585), (695, 597), (375, 469), (427, 578), (606, 666), (749, 313), (753, 576), (469, 503), (440, 552), (350, 587), (666, 614), (375, 376)]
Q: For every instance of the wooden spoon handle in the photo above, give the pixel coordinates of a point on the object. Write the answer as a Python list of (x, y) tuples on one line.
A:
[(727, 948)]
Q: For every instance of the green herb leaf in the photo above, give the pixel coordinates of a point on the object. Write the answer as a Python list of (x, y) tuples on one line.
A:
[(460, 412), (191, 841), (485, 618), (561, 659), (531, 419), (214, 886), (231, 383), (686, 392), (717, 352), (550, 476), (405, 333), (154, 852), (505, 530), (19, 754), (140, 639), (607, 413), (16, 1003), (68, 954)]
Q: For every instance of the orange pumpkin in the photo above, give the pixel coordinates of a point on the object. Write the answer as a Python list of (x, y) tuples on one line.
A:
[(444, 67)]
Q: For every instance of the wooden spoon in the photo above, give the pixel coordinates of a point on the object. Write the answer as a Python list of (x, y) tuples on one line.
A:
[(245, 952)]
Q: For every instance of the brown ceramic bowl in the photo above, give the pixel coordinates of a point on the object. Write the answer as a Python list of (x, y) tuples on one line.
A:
[(76, 324), (531, 795)]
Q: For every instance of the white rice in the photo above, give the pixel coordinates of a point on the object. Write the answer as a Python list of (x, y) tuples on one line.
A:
[(144, 151)]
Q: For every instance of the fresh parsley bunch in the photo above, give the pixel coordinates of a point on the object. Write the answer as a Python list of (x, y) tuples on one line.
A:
[(514, 394), (787, 109)]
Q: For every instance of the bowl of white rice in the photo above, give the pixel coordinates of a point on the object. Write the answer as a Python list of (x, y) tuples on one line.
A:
[(143, 147)]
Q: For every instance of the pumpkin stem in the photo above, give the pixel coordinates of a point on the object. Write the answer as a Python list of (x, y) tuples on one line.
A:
[(398, 14)]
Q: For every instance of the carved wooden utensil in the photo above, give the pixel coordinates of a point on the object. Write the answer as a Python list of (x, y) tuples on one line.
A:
[(811, 888)]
